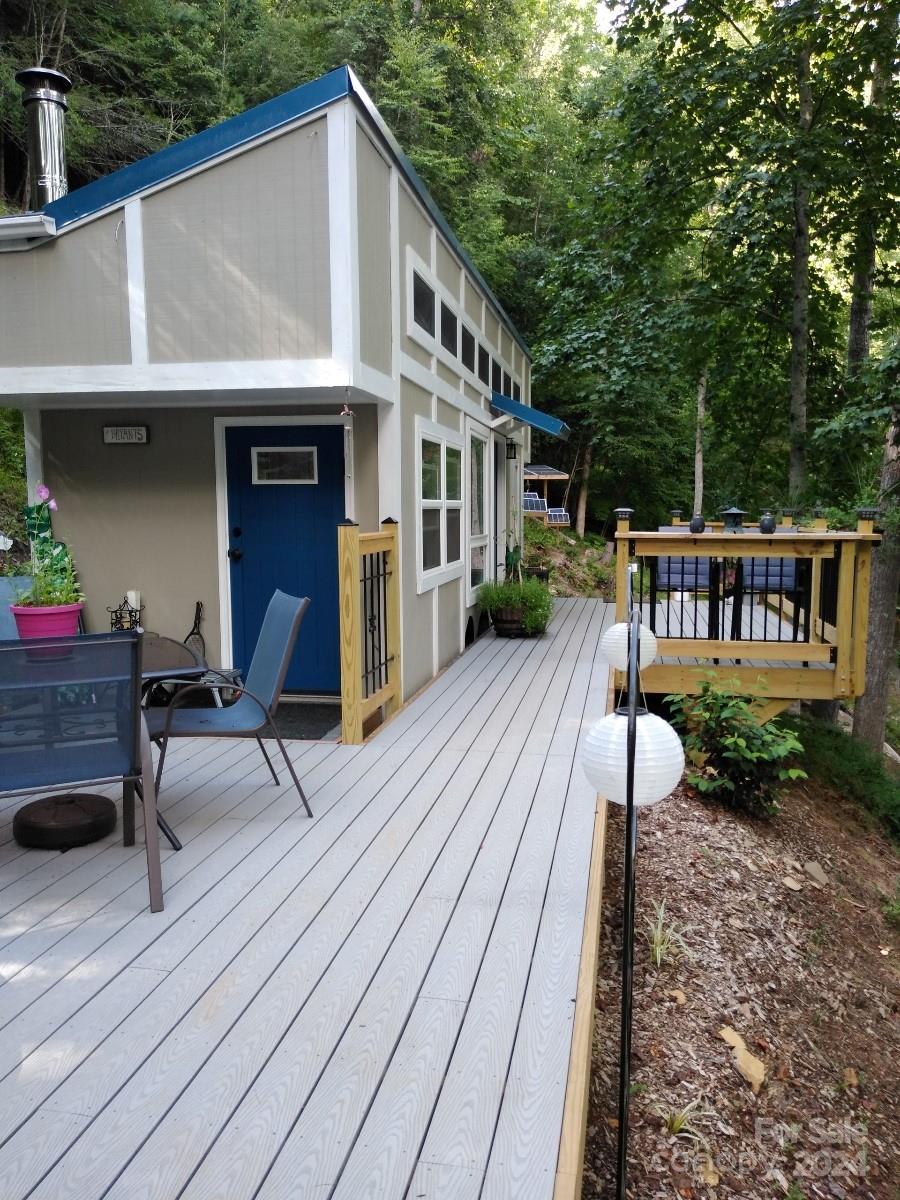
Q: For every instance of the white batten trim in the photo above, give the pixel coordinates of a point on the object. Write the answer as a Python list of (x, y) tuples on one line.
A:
[(342, 234), (34, 451), (137, 296), (376, 383), (220, 424), (49, 383), (431, 382)]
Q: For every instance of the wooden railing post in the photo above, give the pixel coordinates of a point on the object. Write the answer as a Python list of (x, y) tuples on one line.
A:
[(865, 524), (350, 633), (623, 578), (392, 566), (815, 594), (844, 623)]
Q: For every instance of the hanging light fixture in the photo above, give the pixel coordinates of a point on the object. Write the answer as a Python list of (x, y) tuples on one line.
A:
[(512, 451), (633, 758), (658, 757), (615, 642)]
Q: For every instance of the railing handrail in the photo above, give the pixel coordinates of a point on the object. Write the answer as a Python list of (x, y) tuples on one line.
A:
[(826, 601)]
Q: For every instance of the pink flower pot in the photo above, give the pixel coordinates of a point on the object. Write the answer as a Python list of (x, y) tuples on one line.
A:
[(58, 620)]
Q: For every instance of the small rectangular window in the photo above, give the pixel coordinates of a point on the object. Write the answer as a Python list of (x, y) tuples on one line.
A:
[(431, 538), (477, 558), (496, 376), (423, 304), (454, 535), (517, 392), (484, 365), (468, 349), (454, 473), (431, 470), (507, 384), (284, 464), (448, 328)]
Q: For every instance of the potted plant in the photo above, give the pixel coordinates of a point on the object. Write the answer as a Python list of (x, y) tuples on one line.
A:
[(52, 604), (517, 607)]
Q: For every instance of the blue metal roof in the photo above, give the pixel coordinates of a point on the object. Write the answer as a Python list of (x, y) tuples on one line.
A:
[(530, 416), (241, 130)]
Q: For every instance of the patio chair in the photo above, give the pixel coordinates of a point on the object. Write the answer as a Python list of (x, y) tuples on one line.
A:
[(70, 714), (254, 710), (690, 573)]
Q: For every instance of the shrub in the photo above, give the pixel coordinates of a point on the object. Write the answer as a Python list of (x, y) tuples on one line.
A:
[(743, 763), (534, 600), (853, 769)]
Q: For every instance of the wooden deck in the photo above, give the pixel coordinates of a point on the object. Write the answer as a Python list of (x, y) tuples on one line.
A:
[(377, 1003)]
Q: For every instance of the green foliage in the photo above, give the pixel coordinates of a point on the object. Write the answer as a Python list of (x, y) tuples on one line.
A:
[(744, 764), (890, 906), (853, 769), (12, 474), (530, 597), (54, 582)]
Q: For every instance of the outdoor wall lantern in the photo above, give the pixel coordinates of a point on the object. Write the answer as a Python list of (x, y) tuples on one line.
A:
[(733, 519), (512, 451), (634, 758)]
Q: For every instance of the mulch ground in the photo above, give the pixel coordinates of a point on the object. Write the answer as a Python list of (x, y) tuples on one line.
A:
[(786, 951)]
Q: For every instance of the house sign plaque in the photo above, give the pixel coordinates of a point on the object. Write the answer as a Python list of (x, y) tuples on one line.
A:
[(126, 435)]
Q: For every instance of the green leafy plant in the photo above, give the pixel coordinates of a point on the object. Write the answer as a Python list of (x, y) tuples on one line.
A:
[(53, 578), (745, 764), (684, 1123), (532, 600), (665, 938)]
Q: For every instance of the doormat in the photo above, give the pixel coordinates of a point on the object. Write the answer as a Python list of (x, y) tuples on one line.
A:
[(309, 722)]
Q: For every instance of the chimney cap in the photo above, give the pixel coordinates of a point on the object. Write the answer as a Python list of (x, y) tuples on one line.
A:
[(43, 83)]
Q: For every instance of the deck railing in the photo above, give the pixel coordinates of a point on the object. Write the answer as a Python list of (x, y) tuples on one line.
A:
[(784, 614), (370, 625)]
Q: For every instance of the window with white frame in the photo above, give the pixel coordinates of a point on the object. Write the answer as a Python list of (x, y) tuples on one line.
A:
[(440, 475), (478, 509)]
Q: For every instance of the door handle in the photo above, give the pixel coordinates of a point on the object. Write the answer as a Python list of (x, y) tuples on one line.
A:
[(235, 555)]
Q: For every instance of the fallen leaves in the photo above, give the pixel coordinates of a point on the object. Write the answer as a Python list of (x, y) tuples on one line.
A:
[(851, 1077), (678, 996), (794, 884), (751, 1067)]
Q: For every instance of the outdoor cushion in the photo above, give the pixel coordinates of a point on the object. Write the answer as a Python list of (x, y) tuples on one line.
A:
[(683, 574)]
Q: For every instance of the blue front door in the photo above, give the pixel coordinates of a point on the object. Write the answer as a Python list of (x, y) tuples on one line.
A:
[(285, 501)]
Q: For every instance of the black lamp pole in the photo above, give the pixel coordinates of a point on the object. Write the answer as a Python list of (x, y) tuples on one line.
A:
[(628, 923)]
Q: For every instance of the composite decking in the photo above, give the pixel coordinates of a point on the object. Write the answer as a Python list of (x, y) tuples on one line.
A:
[(376, 1003)]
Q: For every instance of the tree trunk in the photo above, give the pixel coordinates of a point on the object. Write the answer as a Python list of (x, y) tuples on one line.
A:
[(800, 313), (698, 441), (870, 710), (581, 511)]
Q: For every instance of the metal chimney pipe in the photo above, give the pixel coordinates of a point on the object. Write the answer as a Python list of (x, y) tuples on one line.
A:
[(44, 100)]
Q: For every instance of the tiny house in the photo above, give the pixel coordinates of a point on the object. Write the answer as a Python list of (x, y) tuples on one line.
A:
[(227, 349)]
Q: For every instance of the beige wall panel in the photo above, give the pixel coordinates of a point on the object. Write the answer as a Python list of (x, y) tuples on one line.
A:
[(414, 350), (139, 516), (491, 328), (448, 415), (417, 610), (447, 269), (448, 376), (506, 344), (473, 302), (66, 303), (472, 393), (448, 619), (365, 466), (373, 209), (414, 231), (237, 257)]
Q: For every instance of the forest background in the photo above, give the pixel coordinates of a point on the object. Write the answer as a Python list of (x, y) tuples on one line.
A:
[(691, 210)]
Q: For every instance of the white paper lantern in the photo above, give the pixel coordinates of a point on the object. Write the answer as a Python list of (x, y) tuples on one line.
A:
[(658, 759), (614, 646)]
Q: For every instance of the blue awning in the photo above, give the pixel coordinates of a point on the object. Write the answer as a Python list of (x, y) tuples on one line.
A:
[(530, 416)]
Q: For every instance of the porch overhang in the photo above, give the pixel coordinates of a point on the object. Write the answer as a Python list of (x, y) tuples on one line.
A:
[(530, 416)]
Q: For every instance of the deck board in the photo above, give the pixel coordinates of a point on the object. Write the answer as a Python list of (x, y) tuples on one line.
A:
[(374, 1003)]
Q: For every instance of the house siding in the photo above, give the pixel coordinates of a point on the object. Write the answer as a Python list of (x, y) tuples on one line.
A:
[(66, 303), (418, 610), (374, 238), (145, 516), (237, 262)]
